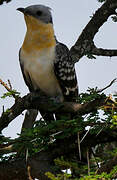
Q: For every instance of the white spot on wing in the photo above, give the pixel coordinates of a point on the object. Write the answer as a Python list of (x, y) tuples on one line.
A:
[(70, 89)]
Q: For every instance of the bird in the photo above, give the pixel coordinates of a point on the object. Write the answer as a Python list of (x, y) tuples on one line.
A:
[(46, 64)]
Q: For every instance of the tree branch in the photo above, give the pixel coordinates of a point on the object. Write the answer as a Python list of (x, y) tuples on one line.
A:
[(112, 82), (104, 52), (39, 102), (85, 43), (30, 117)]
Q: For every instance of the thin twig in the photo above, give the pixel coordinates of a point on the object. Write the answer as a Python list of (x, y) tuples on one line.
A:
[(5, 85), (111, 83), (9, 83), (85, 135), (8, 88), (100, 131), (26, 155)]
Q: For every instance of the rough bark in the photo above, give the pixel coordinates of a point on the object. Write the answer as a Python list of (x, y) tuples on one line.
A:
[(85, 44), (45, 104)]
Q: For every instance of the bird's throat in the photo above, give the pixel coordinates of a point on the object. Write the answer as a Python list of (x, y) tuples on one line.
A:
[(39, 35)]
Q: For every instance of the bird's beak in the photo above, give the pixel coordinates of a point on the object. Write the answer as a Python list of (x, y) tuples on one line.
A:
[(21, 10)]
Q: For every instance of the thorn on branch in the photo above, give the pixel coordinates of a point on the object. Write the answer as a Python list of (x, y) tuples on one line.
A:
[(85, 135), (88, 162), (79, 149), (9, 83)]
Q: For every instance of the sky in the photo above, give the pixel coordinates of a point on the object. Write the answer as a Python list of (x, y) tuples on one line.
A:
[(70, 17)]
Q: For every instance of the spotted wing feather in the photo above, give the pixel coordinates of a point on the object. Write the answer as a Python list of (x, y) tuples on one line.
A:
[(65, 72)]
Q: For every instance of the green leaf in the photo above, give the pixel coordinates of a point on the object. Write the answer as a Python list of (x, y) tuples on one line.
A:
[(10, 94)]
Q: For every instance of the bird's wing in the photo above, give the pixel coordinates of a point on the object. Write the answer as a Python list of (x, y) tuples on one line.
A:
[(65, 72)]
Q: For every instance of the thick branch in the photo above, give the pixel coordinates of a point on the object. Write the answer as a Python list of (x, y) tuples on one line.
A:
[(36, 101), (104, 52), (30, 117), (85, 43)]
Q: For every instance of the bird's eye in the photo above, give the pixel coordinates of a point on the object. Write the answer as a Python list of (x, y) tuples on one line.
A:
[(39, 13)]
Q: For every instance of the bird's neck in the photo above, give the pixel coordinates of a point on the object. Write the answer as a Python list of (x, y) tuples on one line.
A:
[(38, 36)]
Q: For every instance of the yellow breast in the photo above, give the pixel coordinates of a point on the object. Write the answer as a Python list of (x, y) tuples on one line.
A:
[(39, 35)]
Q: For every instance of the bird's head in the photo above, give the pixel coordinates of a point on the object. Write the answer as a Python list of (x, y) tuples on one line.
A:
[(36, 15), (40, 32)]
